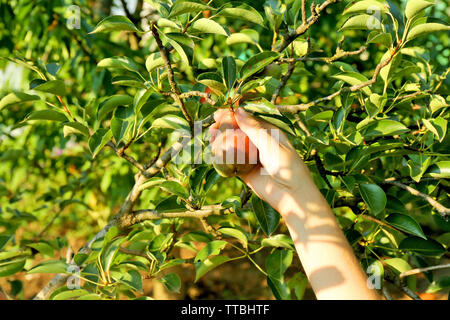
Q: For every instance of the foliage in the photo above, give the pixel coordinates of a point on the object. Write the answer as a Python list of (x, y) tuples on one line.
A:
[(90, 117)]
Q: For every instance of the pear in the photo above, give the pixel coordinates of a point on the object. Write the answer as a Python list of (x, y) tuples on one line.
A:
[(233, 152)]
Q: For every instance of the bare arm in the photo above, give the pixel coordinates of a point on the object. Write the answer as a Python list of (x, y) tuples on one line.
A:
[(284, 181)]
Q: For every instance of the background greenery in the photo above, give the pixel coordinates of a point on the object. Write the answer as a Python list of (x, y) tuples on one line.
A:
[(80, 129)]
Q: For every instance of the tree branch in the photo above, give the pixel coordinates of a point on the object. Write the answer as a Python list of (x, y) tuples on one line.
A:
[(139, 216), (121, 153), (170, 75), (338, 55), (315, 14), (190, 94), (443, 211), (301, 107), (421, 270), (283, 82)]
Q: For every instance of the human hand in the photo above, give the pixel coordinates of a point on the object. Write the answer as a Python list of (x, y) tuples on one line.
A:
[(280, 170)]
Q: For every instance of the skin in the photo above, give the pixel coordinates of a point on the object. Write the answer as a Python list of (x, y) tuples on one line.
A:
[(283, 180), (236, 155)]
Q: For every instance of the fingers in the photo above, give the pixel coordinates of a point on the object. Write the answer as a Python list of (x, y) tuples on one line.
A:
[(275, 151), (259, 131)]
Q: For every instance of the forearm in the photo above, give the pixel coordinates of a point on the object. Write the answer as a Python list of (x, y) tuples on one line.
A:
[(326, 256)]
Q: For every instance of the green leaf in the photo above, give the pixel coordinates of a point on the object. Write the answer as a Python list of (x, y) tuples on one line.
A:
[(121, 122), (365, 5), (118, 63), (80, 258), (111, 103), (115, 23), (425, 28), (428, 247), (160, 242), (43, 248), (235, 233), (353, 78), (373, 196), (278, 240), (374, 104), (268, 218), (362, 22), (257, 63), (109, 253), (196, 178), (252, 84), (385, 127), (172, 282), (381, 38), (213, 81), (278, 262), (175, 188), (413, 7), (154, 61), (398, 265), (279, 288), (181, 7), (75, 128), (201, 268), (437, 102), (212, 248), (269, 113), (52, 266), (203, 25), (239, 37), (56, 87), (418, 164), (16, 98), (387, 70), (170, 204), (298, 283), (178, 48), (4, 240), (11, 267), (301, 47), (128, 81), (438, 126), (132, 279), (229, 71), (70, 294), (243, 12), (98, 140), (171, 122), (405, 223), (166, 23), (48, 114), (52, 68), (440, 169)]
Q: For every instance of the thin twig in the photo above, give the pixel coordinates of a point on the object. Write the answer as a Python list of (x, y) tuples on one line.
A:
[(338, 55), (170, 75), (301, 107), (283, 82), (139, 216), (315, 13), (443, 211), (122, 154), (421, 270), (189, 94)]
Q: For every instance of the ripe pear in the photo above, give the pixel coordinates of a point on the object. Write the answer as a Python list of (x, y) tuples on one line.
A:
[(233, 152)]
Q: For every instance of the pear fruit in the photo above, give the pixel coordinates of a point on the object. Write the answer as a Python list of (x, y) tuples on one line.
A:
[(233, 152)]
